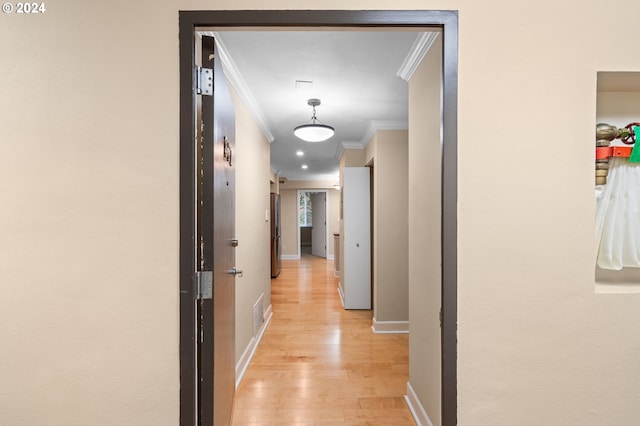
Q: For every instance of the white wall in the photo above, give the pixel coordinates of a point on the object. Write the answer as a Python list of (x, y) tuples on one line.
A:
[(425, 253), (89, 217), (388, 149), (536, 344), (253, 254), (289, 221), (289, 211)]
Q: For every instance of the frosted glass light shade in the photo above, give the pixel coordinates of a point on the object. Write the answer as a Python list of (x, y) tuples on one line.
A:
[(314, 132)]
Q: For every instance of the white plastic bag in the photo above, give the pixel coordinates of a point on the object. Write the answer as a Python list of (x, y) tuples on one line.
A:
[(618, 217)]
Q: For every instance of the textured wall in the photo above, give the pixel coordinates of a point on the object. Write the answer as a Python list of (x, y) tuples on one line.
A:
[(89, 217), (388, 150), (253, 255), (289, 205), (425, 253)]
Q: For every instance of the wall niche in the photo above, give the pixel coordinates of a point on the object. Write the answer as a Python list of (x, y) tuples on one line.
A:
[(617, 104)]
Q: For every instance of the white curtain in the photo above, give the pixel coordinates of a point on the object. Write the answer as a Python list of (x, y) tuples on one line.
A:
[(618, 217)]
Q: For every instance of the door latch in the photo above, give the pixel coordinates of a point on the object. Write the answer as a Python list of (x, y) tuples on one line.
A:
[(204, 285)]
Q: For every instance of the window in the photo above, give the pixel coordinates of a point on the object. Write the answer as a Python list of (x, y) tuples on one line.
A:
[(304, 209)]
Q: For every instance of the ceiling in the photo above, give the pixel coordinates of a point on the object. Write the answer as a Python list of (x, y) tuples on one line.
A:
[(355, 74)]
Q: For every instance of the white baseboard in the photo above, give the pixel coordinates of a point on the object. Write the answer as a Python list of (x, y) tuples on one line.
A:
[(390, 326), (330, 257), (417, 410), (245, 359), (290, 257)]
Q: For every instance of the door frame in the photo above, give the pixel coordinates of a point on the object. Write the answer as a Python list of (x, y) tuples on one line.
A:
[(447, 21), (326, 216)]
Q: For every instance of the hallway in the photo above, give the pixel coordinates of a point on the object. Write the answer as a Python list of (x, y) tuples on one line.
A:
[(320, 364)]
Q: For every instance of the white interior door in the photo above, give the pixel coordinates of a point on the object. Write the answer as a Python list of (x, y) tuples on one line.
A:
[(319, 223), (356, 269)]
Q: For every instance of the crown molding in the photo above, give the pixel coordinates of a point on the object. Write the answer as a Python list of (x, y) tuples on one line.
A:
[(339, 151), (376, 125), (372, 128), (295, 176), (237, 81), (420, 48), (352, 145)]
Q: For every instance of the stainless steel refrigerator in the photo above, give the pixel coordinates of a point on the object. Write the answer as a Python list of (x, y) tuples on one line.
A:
[(275, 235)]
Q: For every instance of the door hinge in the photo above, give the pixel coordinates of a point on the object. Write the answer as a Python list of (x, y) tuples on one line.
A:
[(440, 317), (204, 81), (204, 285)]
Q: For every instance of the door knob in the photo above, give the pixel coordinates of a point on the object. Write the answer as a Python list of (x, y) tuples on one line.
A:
[(234, 242), (235, 272)]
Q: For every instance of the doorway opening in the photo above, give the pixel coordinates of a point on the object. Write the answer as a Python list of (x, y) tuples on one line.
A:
[(447, 21), (313, 214)]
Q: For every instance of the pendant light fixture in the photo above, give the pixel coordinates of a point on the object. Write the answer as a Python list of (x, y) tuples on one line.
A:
[(315, 131)]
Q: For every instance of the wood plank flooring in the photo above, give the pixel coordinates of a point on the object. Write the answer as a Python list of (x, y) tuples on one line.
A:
[(319, 364)]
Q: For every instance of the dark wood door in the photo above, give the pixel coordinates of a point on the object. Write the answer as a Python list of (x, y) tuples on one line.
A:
[(216, 352)]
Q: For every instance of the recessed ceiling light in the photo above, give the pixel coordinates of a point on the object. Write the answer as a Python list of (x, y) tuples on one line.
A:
[(304, 166), (299, 153)]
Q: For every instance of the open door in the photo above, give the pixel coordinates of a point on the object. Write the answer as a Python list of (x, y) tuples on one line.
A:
[(319, 223), (216, 245)]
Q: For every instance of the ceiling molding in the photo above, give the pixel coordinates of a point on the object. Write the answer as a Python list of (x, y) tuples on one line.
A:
[(376, 125), (420, 48), (352, 145), (339, 151), (311, 177), (237, 81)]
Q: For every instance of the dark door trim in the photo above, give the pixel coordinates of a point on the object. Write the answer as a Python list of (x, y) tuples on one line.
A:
[(188, 254), (448, 22)]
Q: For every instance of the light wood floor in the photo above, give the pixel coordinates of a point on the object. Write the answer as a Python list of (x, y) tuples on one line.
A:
[(319, 364)]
